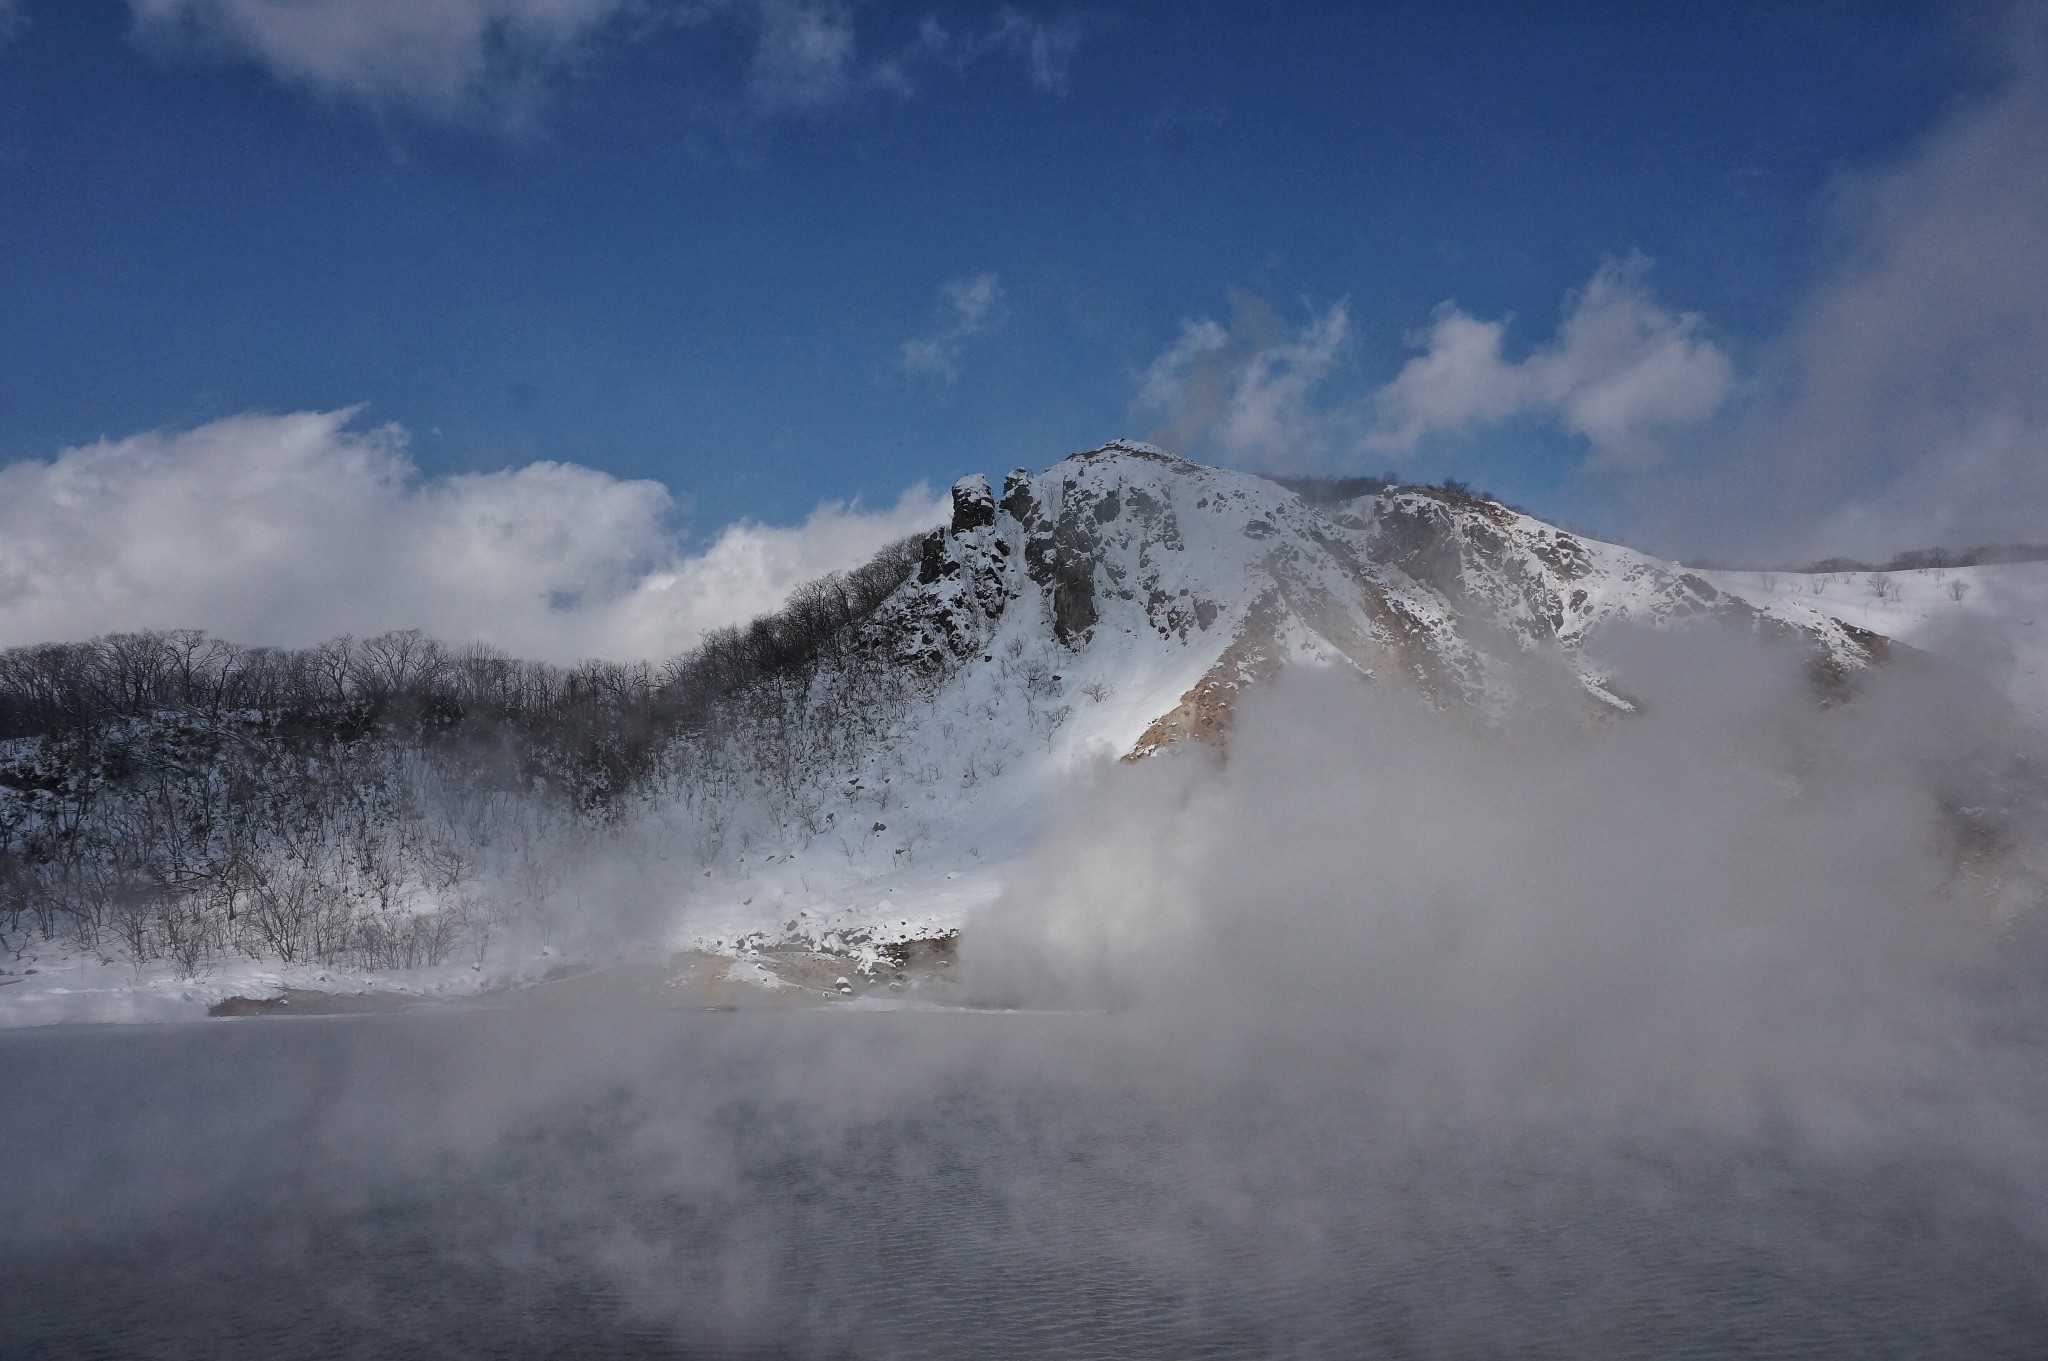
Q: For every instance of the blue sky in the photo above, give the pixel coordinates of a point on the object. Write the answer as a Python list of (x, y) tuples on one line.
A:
[(773, 252)]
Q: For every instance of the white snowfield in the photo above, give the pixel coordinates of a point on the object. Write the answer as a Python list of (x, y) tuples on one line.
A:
[(1109, 606), (1992, 617)]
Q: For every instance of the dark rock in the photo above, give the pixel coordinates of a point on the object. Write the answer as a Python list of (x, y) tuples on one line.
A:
[(249, 1006), (931, 559), (1073, 600), (1419, 538), (1018, 502), (1699, 586), (973, 504)]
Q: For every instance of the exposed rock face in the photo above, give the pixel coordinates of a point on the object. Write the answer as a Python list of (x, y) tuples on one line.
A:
[(1073, 600), (1204, 712), (973, 505), (1018, 502), (1138, 563)]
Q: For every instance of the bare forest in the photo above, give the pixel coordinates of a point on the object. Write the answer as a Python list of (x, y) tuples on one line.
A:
[(392, 802)]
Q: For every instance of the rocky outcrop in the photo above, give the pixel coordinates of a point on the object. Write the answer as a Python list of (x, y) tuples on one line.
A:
[(1129, 559)]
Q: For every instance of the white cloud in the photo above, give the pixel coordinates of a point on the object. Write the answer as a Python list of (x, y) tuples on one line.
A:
[(1269, 410), (12, 20), (976, 308), (291, 529), (1905, 406), (1621, 372), (751, 568), (1247, 394), (1460, 380), (451, 57), (439, 56)]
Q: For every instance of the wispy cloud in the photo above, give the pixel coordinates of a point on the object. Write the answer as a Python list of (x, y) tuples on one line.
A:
[(806, 56), (975, 309), (12, 20), (291, 529), (459, 58), (1046, 47)]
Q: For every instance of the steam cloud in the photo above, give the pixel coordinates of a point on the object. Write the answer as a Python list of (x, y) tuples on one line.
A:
[(1906, 405), (1386, 999), (1733, 909)]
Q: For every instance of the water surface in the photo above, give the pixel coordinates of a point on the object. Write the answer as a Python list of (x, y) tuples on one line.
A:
[(845, 1185)]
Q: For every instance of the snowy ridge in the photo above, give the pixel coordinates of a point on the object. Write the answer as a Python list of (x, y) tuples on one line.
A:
[(1119, 602)]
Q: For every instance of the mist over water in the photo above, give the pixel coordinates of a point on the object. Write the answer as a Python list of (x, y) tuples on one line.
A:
[(1739, 905), (1714, 1030), (784, 963)]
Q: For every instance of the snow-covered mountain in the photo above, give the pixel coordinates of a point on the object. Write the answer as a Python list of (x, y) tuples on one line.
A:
[(1123, 600), (811, 800), (1182, 582)]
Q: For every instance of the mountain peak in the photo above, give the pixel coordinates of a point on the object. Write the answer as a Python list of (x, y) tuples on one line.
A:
[(1134, 563), (1128, 446)]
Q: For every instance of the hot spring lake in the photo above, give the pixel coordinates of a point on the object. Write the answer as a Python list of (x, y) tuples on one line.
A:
[(685, 1184)]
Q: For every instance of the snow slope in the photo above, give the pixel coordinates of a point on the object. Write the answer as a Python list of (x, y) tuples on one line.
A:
[(1994, 616)]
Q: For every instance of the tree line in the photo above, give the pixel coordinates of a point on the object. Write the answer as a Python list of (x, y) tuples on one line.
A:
[(383, 802), (1919, 559)]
